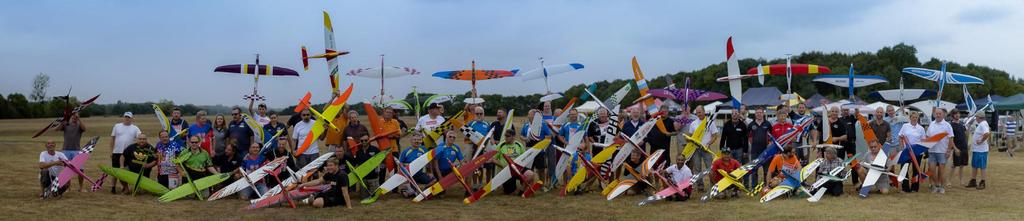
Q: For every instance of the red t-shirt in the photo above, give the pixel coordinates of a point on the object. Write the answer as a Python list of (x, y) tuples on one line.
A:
[(721, 164), (780, 128)]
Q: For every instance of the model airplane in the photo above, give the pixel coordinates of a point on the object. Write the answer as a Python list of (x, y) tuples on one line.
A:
[(836, 174), (942, 77), (515, 167), (473, 75), (250, 179), (793, 181), (733, 74), (789, 69), (296, 176), (731, 179), (68, 111), (417, 106), (256, 70), (454, 177), (674, 189), (641, 85), (571, 146), (409, 171), (382, 73), (74, 167), (545, 72), (324, 118), (330, 54), (876, 169), (850, 81)]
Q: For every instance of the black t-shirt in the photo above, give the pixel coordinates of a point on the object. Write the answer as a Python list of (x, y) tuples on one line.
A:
[(838, 130), (959, 136), (271, 155), (735, 135), (630, 127), (137, 156), (365, 154), (656, 139), (227, 163), (850, 122), (340, 180), (759, 135)]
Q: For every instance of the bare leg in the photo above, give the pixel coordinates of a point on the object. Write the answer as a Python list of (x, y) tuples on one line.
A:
[(318, 203)]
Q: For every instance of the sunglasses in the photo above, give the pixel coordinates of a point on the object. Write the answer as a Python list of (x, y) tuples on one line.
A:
[(193, 141), (479, 113), (305, 115), (234, 114)]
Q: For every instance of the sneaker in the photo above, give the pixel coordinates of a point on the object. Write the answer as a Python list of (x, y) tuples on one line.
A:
[(971, 184), (981, 185), (942, 190)]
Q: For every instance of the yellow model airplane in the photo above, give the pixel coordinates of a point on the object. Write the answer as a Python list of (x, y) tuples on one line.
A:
[(324, 117), (731, 179)]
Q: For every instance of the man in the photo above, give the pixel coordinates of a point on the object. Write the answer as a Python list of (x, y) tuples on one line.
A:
[(337, 194), (979, 151), (660, 138), (121, 136), (366, 151), (1011, 134), (409, 155), (284, 150), (636, 120), (238, 130), (177, 124), (229, 161), (680, 173), (601, 132), (881, 127), (270, 129), (198, 164), (882, 184), (960, 143), (759, 130), (783, 163), (51, 163), (541, 163), (849, 145), (260, 115), (725, 164), (701, 160), (570, 128), (300, 131), (744, 113), (448, 152), (201, 128), (734, 136), (513, 148), (478, 125), (895, 124), (801, 113), (166, 151), (140, 157), (354, 130), (391, 123), (838, 131), (73, 130), (432, 120), (833, 187), (498, 124), (937, 154)]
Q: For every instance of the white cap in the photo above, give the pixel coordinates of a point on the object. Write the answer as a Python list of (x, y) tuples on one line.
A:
[(127, 114)]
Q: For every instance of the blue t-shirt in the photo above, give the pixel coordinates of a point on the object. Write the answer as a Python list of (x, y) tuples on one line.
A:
[(196, 130), (575, 161), (411, 153), (480, 126), (242, 135), (544, 131), (269, 131), (252, 164), (568, 129), (448, 153)]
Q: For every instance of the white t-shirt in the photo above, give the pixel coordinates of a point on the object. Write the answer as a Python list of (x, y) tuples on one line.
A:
[(679, 174), (263, 120), (425, 123), (300, 131), (45, 157), (936, 128), (711, 129), (124, 135), (977, 135), (914, 133)]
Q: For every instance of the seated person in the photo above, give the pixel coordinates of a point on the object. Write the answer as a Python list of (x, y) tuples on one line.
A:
[(634, 162), (726, 164), (421, 178), (51, 162), (833, 187), (679, 173), (784, 163), (366, 151), (337, 194), (574, 165), (882, 184), (251, 162)]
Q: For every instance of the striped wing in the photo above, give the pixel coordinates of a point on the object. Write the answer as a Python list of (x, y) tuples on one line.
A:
[(266, 70), (467, 75)]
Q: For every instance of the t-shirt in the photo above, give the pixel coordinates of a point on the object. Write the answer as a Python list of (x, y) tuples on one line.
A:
[(340, 180), (913, 133), (270, 130), (679, 174), (630, 126), (252, 162), (780, 129), (512, 149), (410, 154), (205, 131), (177, 126), (262, 119), (960, 136), (602, 133), (353, 130), (426, 123), (936, 128), (300, 131), (781, 164), (1011, 127), (881, 131), (574, 164), (392, 125), (124, 135), (448, 153), (837, 129), (721, 164), (72, 136), (242, 135), (198, 161), (170, 150), (734, 135), (708, 130), (45, 157), (227, 163), (138, 155), (498, 126), (657, 139), (569, 129), (759, 136), (525, 132), (364, 155), (979, 131), (332, 136)]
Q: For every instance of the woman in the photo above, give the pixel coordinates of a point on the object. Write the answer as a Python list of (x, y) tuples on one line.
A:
[(337, 194), (911, 133), (220, 133)]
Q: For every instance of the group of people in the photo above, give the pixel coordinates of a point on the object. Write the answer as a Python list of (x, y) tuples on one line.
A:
[(220, 146)]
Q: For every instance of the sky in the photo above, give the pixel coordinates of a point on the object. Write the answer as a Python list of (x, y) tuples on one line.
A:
[(137, 51)]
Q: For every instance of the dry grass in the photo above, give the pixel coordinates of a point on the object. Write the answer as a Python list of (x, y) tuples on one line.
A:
[(19, 185)]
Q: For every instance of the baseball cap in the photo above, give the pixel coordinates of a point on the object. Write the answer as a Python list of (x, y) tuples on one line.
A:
[(127, 114)]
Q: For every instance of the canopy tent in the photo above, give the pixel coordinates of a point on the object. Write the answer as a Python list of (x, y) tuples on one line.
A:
[(762, 96), (1015, 102), (588, 107), (870, 108), (925, 107), (815, 100), (838, 103)]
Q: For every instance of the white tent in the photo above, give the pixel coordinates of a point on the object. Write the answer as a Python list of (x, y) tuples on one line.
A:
[(925, 107), (833, 104), (870, 108), (588, 107)]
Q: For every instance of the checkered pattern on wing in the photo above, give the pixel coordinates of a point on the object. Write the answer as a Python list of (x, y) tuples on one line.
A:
[(466, 130), (54, 186), (695, 177), (651, 199), (606, 169), (750, 165), (712, 193)]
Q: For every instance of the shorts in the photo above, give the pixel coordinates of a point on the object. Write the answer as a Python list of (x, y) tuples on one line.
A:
[(71, 153), (960, 159), (332, 201), (540, 161), (979, 160), (115, 160), (937, 158)]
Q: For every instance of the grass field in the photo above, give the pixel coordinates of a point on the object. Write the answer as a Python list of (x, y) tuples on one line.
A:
[(1003, 200)]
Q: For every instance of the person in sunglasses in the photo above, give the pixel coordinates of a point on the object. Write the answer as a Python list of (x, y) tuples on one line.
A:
[(299, 133), (240, 132), (366, 151), (198, 164), (448, 152)]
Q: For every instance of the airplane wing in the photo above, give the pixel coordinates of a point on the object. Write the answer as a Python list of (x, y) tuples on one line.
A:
[(241, 184), (265, 70), (165, 124), (386, 72), (366, 167), (549, 70), (398, 179), (452, 178), (254, 126), (639, 135), (320, 125), (950, 77), (778, 191), (479, 75), (526, 158), (873, 173), (733, 69), (302, 172), (620, 188)]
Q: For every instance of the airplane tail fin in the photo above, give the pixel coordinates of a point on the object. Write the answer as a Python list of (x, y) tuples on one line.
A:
[(305, 59), (304, 103)]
